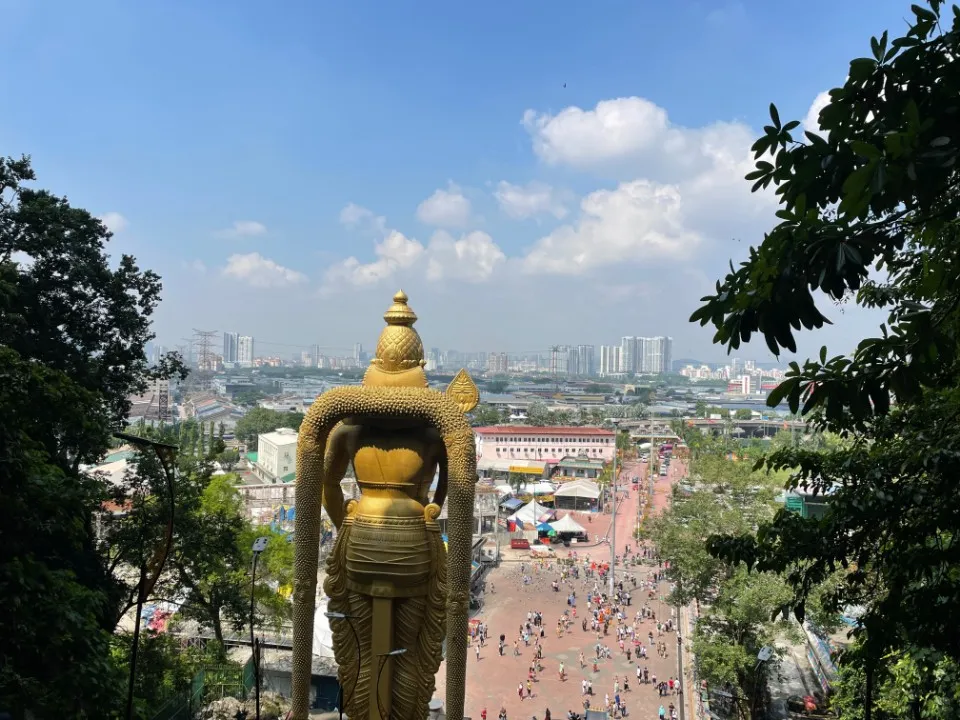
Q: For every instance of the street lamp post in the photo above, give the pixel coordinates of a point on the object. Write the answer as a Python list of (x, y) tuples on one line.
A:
[(766, 652), (259, 545), (613, 515)]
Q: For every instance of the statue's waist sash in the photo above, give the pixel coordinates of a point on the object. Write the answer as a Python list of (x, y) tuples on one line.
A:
[(388, 556)]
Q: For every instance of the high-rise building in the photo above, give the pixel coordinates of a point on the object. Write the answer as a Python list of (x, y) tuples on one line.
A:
[(559, 360), (586, 366), (609, 360), (157, 355), (230, 347), (497, 363), (657, 354), (245, 350), (628, 355)]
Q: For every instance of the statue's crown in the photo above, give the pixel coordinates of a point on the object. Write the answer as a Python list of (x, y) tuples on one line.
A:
[(399, 356)]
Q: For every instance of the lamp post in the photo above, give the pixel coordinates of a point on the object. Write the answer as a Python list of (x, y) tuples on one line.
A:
[(613, 514), (384, 658), (166, 454), (356, 682), (766, 652), (259, 545)]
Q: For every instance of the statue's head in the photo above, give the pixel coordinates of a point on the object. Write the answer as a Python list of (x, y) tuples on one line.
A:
[(399, 360)]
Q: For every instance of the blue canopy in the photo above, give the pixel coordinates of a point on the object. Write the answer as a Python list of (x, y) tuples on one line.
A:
[(512, 504), (544, 527)]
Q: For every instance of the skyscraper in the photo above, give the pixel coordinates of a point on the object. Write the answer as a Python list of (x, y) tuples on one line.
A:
[(628, 355), (657, 354), (230, 347), (609, 360), (559, 360), (586, 366), (245, 350)]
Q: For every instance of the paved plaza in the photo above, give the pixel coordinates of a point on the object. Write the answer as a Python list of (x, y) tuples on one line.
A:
[(493, 681)]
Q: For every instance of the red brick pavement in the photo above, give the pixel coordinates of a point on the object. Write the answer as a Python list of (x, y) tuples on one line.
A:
[(492, 680)]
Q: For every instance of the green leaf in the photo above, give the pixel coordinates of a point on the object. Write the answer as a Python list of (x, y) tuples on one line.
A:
[(865, 149), (862, 68), (775, 116), (923, 14), (940, 141)]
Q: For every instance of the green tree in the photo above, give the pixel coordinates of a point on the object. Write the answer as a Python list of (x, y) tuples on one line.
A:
[(538, 414), (700, 409), (484, 414), (497, 386), (216, 581), (742, 414), (228, 459), (261, 420), (876, 186), (73, 326)]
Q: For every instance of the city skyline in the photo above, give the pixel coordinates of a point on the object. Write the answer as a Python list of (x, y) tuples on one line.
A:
[(652, 355)]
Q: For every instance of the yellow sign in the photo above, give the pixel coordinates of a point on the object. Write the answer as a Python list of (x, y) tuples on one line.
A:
[(524, 470)]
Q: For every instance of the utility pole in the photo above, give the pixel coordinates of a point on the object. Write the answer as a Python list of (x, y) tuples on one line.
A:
[(613, 514)]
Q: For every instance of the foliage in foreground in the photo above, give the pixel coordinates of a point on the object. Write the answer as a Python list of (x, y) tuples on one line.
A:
[(875, 189), (740, 611)]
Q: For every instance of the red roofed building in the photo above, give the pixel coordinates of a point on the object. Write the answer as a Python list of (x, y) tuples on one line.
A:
[(543, 444)]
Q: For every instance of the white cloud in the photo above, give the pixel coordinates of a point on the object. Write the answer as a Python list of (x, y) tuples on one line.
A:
[(811, 121), (196, 266), (261, 272), (677, 187), (525, 201), (114, 221), (357, 216), (445, 208), (395, 252), (473, 257), (243, 228), (636, 222)]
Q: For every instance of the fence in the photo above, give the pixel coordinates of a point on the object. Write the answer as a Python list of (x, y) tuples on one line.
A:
[(209, 684)]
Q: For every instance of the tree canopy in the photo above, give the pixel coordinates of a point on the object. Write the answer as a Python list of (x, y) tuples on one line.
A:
[(868, 215), (261, 420), (73, 326)]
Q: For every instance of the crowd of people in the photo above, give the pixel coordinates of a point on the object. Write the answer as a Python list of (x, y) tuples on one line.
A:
[(611, 626)]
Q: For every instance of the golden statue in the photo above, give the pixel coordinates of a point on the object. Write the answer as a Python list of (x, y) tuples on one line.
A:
[(389, 575)]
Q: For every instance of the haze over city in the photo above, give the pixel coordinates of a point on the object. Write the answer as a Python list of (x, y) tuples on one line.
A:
[(528, 177)]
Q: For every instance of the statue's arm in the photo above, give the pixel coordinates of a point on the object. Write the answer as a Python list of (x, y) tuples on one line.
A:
[(335, 467)]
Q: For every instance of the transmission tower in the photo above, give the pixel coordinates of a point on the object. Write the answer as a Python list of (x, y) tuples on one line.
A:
[(206, 358), (203, 341)]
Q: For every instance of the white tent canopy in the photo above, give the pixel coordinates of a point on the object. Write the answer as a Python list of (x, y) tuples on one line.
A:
[(567, 524), (525, 515), (322, 635), (541, 487), (580, 488)]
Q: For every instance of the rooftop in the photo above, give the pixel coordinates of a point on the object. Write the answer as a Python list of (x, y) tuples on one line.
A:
[(280, 436), (549, 430)]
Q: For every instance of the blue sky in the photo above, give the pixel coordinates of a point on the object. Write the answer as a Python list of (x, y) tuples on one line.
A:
[(275, 162)]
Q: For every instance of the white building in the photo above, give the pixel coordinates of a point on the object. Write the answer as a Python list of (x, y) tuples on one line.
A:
[(609, 360), (518, 442), (245, 351), (276, 456), (628, 355)]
